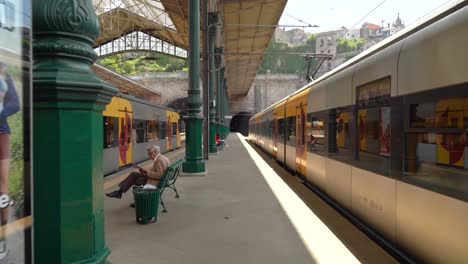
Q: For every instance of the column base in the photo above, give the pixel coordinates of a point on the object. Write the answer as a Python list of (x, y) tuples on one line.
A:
[(194, 166), (213, 149), (99, 258)]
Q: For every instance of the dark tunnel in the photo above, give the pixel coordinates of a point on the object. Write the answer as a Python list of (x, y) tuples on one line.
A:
[(240, 123)]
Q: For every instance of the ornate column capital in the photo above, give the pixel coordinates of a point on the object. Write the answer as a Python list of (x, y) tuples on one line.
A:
[(64, 32)]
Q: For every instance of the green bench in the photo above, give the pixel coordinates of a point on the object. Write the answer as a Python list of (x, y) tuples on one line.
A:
[(169, 179)]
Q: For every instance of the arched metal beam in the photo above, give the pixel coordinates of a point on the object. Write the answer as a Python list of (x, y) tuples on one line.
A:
[(140, 41)]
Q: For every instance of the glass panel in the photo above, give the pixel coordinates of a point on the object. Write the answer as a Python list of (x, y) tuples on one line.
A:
[(111, 128), (445, 113), (151, 130), (316, 134), (162, 129), (342, 135), (174, 129), (281, 130), (15, 134), (291, 131), (374, 139), (438, 162), (139, 127)]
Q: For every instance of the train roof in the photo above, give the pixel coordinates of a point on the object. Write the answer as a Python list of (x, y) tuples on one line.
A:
[(141, 101)]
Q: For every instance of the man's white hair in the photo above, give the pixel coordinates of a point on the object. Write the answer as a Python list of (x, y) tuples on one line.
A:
[(154, 148)]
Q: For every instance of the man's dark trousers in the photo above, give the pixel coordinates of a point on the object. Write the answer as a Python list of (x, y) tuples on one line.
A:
[(135, 178)]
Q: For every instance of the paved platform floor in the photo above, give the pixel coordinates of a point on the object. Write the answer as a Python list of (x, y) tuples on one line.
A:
[(240, 212)]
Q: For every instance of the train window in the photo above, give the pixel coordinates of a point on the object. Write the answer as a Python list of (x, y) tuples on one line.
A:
[(436, 146), (162, 129), (374, 127), (181, 126), (151, 130), (374, 137), (174, 129), (447, 113), (342, 134), (271, 126), (281, 129), (291, 130), (139, 127), (315, 139), (111, 134)]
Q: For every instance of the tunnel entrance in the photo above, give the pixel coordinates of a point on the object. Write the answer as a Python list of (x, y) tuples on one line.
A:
[(240, 123)]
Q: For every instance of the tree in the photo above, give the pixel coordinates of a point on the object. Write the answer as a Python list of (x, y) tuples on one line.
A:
[(285, 62), (125, 64)]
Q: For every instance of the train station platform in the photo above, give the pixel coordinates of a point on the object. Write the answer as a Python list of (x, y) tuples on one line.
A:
[(247, 209)]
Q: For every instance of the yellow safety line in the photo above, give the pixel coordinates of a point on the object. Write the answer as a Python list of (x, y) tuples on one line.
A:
[(20, 224), (119, 178)]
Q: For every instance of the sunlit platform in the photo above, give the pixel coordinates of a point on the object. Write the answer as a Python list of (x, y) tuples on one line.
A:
[(241, 212)]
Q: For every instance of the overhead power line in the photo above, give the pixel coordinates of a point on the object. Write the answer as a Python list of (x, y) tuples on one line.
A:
[(300, 20)]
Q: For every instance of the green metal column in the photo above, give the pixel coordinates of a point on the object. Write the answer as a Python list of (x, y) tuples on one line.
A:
[(213, 19), (226, 110), (193, 149), (221, 102), (219, 51), (68, 135)]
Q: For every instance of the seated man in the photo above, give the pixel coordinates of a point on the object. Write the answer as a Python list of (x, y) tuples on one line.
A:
[(219, 141), (143, 177)]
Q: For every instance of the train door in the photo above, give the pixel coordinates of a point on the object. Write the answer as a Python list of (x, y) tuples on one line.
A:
[(300, 139), (125, 139), (275, 135)]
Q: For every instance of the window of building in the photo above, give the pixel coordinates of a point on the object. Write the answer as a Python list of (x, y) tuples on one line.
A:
[(151, 130), (436, 152), (111, 132), (139, 126)]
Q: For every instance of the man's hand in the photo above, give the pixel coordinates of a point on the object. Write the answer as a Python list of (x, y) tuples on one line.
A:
[(142, 171)]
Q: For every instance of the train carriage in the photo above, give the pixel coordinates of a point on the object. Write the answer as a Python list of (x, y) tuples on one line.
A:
[(131, 125), (385, 137)]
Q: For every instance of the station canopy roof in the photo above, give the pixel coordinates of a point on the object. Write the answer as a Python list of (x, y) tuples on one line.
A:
[(244, 41)]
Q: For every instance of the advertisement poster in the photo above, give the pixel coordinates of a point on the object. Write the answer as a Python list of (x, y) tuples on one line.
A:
[(385, 131), (15, 194)]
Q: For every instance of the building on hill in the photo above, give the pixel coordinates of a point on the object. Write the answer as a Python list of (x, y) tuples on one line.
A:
[(294, 36)]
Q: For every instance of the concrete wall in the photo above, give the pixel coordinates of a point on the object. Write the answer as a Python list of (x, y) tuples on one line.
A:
[(172, 85), (265, 90)]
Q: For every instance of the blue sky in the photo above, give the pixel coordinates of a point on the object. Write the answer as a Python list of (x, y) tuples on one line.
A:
[(332, 14)]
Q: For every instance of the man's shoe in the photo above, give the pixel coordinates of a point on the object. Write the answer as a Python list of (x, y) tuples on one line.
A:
[(115, 194), (132, 205)]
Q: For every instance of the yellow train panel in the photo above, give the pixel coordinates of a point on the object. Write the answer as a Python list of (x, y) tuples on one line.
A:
[(296, 107), (122, 109), (172, 118)]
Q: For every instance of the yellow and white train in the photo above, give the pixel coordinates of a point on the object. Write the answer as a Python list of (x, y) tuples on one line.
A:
[(385, 137), (131, 125)]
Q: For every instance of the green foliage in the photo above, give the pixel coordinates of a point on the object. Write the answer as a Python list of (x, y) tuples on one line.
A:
[(348, 45), (16, 176), (287, 63), (126, 65)]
